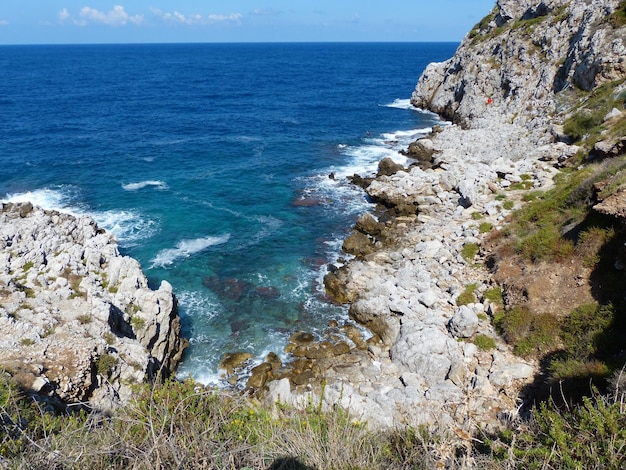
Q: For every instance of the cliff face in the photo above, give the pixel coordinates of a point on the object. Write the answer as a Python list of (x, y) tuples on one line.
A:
[(79, 323), (514, 64)]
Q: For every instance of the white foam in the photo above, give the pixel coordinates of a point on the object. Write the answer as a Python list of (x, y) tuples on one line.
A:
[(401, 104), (144, 184), (196, 304), (49, 199), (364, 159), (186, 248), (409, 135), (128, 226)]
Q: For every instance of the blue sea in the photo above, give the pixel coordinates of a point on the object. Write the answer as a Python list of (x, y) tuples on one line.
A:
[(222, 168)]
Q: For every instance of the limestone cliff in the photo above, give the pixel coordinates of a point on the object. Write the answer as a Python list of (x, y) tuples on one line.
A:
[(78, 321), (514, 64)]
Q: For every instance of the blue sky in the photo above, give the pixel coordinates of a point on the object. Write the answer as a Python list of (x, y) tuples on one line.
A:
[(129, 21)]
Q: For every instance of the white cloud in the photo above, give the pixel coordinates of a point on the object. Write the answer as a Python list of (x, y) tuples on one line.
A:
[(64, 14), (234, 17), (4, 23), (266, 12), (195, 18), (114, 17)]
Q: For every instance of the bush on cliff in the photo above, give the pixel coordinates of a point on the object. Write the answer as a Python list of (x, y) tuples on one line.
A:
[(181, 425), (591, 435)]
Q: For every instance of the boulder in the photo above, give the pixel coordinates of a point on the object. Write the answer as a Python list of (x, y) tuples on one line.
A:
[(387, 167), (358, 244), (464, 323), (421, 150)]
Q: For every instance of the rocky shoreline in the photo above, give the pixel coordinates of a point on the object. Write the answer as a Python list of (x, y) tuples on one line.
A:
[(433, 359), (79, 323), (422, 364)]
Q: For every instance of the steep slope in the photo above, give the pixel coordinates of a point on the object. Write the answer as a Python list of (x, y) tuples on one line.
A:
[(514, 64), (556, 72)]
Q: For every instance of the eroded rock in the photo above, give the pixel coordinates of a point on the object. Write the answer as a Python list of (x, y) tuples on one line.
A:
[(79, 322)]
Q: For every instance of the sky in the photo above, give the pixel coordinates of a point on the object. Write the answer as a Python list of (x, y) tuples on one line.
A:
[(171, 21)]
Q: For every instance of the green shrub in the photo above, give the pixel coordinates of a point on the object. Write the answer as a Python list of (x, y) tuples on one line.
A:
[(138, 323), (469, 251), (592, 435), (522, 185), (529, 334), (485, 227), (508, 205), (105, 364), (566, 369), (467, 296), (484, 342), (546, 244), (581, 124), (84, 318), (584, 331), (494, 295), (109, 338), (617, 19), (531, 196), (477, 215)]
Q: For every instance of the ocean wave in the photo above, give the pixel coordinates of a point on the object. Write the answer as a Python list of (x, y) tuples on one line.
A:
[(400, 104), (49, 199), (143, 184), (128, 226), (196, 304), (186, 248), (409, 135), (364, 159)]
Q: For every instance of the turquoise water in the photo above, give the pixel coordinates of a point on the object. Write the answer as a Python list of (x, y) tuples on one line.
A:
[(211, 165)]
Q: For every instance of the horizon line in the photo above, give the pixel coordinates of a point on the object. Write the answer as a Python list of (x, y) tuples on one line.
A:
[(219, 43)]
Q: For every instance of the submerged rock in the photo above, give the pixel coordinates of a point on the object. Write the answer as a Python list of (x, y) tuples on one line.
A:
[(230, 362)]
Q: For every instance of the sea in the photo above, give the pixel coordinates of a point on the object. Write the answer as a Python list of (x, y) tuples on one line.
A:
[(221, 168)]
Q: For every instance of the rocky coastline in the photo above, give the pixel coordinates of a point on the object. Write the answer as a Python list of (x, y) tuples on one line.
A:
[(417, 280), (79, 323)]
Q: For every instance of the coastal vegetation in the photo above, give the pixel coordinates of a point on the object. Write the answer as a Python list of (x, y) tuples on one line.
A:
[(562, 231), (182, 425)]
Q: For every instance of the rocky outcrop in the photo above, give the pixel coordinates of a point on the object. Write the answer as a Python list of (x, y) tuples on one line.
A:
[(512, 66), (79, 322)]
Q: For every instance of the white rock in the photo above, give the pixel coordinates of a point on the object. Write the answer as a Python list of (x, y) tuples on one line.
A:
[(428, 298), (505, 375)]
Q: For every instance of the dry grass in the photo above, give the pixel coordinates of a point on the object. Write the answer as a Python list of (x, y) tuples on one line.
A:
[(180, 426)]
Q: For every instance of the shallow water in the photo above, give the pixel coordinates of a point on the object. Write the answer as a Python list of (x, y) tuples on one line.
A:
[(211, 164)]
